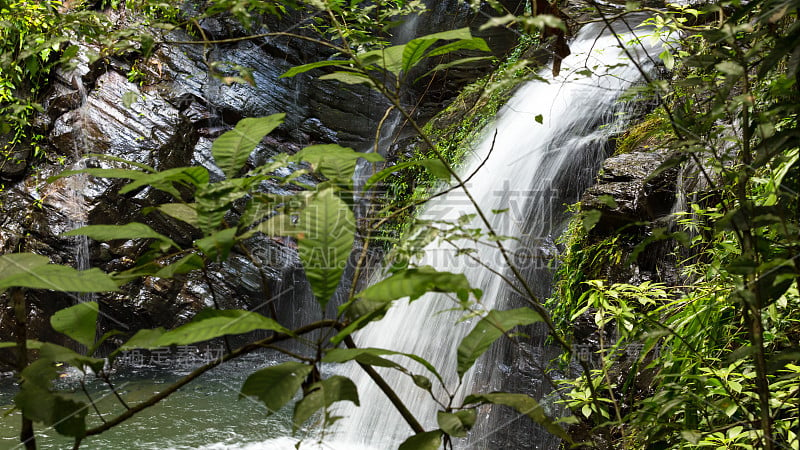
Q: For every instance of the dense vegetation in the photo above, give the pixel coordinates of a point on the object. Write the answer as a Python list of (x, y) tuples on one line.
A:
[(710, 362)]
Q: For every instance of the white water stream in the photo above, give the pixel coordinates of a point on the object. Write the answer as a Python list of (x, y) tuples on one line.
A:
[(533, 169)]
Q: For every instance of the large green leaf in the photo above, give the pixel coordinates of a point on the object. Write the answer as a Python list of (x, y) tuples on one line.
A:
[(429, 440), (67, 416), (213, 323), (414, 51), (325, 241), (133, 230), (322, 395), (523, 404), (168, 179), (457, 424), (412, 283), (181, 211), (488, 330), (20, 263), (232, 149), (276, 385), (78, 322), (389, 58), (59, 278), (335, 162)]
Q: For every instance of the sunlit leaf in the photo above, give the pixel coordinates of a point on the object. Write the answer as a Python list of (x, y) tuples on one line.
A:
[(78, 322), (327, 230)]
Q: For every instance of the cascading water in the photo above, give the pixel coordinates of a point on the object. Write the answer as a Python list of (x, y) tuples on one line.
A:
[(532, 170)]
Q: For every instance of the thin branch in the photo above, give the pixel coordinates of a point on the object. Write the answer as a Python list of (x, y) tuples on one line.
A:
[(91, 400), (241, 351), (388, 391)]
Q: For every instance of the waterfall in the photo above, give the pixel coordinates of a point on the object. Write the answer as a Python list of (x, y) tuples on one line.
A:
[(550, 139), (76, 209)]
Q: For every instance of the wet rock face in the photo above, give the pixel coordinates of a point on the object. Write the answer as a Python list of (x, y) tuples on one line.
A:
[(624, 195), (165, 111)]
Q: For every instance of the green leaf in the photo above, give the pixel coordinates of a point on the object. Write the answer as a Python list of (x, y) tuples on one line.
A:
[(133, 230), (429, 440), (167, 180), (412, 283), (296, 70), (590, 218), (98, 172), (389, 58), (525, 405), (730, 68), (474, 43), (349, 78), (325, 241), (184, 265), (213, 323), (667, 58), (39, 404), (457, 62), (232, 149), (20, 263), (386, 172), (437, 168), (56, 353), (181, 211), (323, 394), (539, 118), (335, 162), (457, 424), (414, 51), (276, 385), (218, 245), (78, 322), (488, 330), (143, 339), (60, 278), (372, 357), (214, 201), (364, 356)]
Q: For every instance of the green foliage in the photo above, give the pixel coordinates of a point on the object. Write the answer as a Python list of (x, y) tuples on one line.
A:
[(717, 353), (77, 322), (488, 330), (276, 385), (232, 149), (25, 270)]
